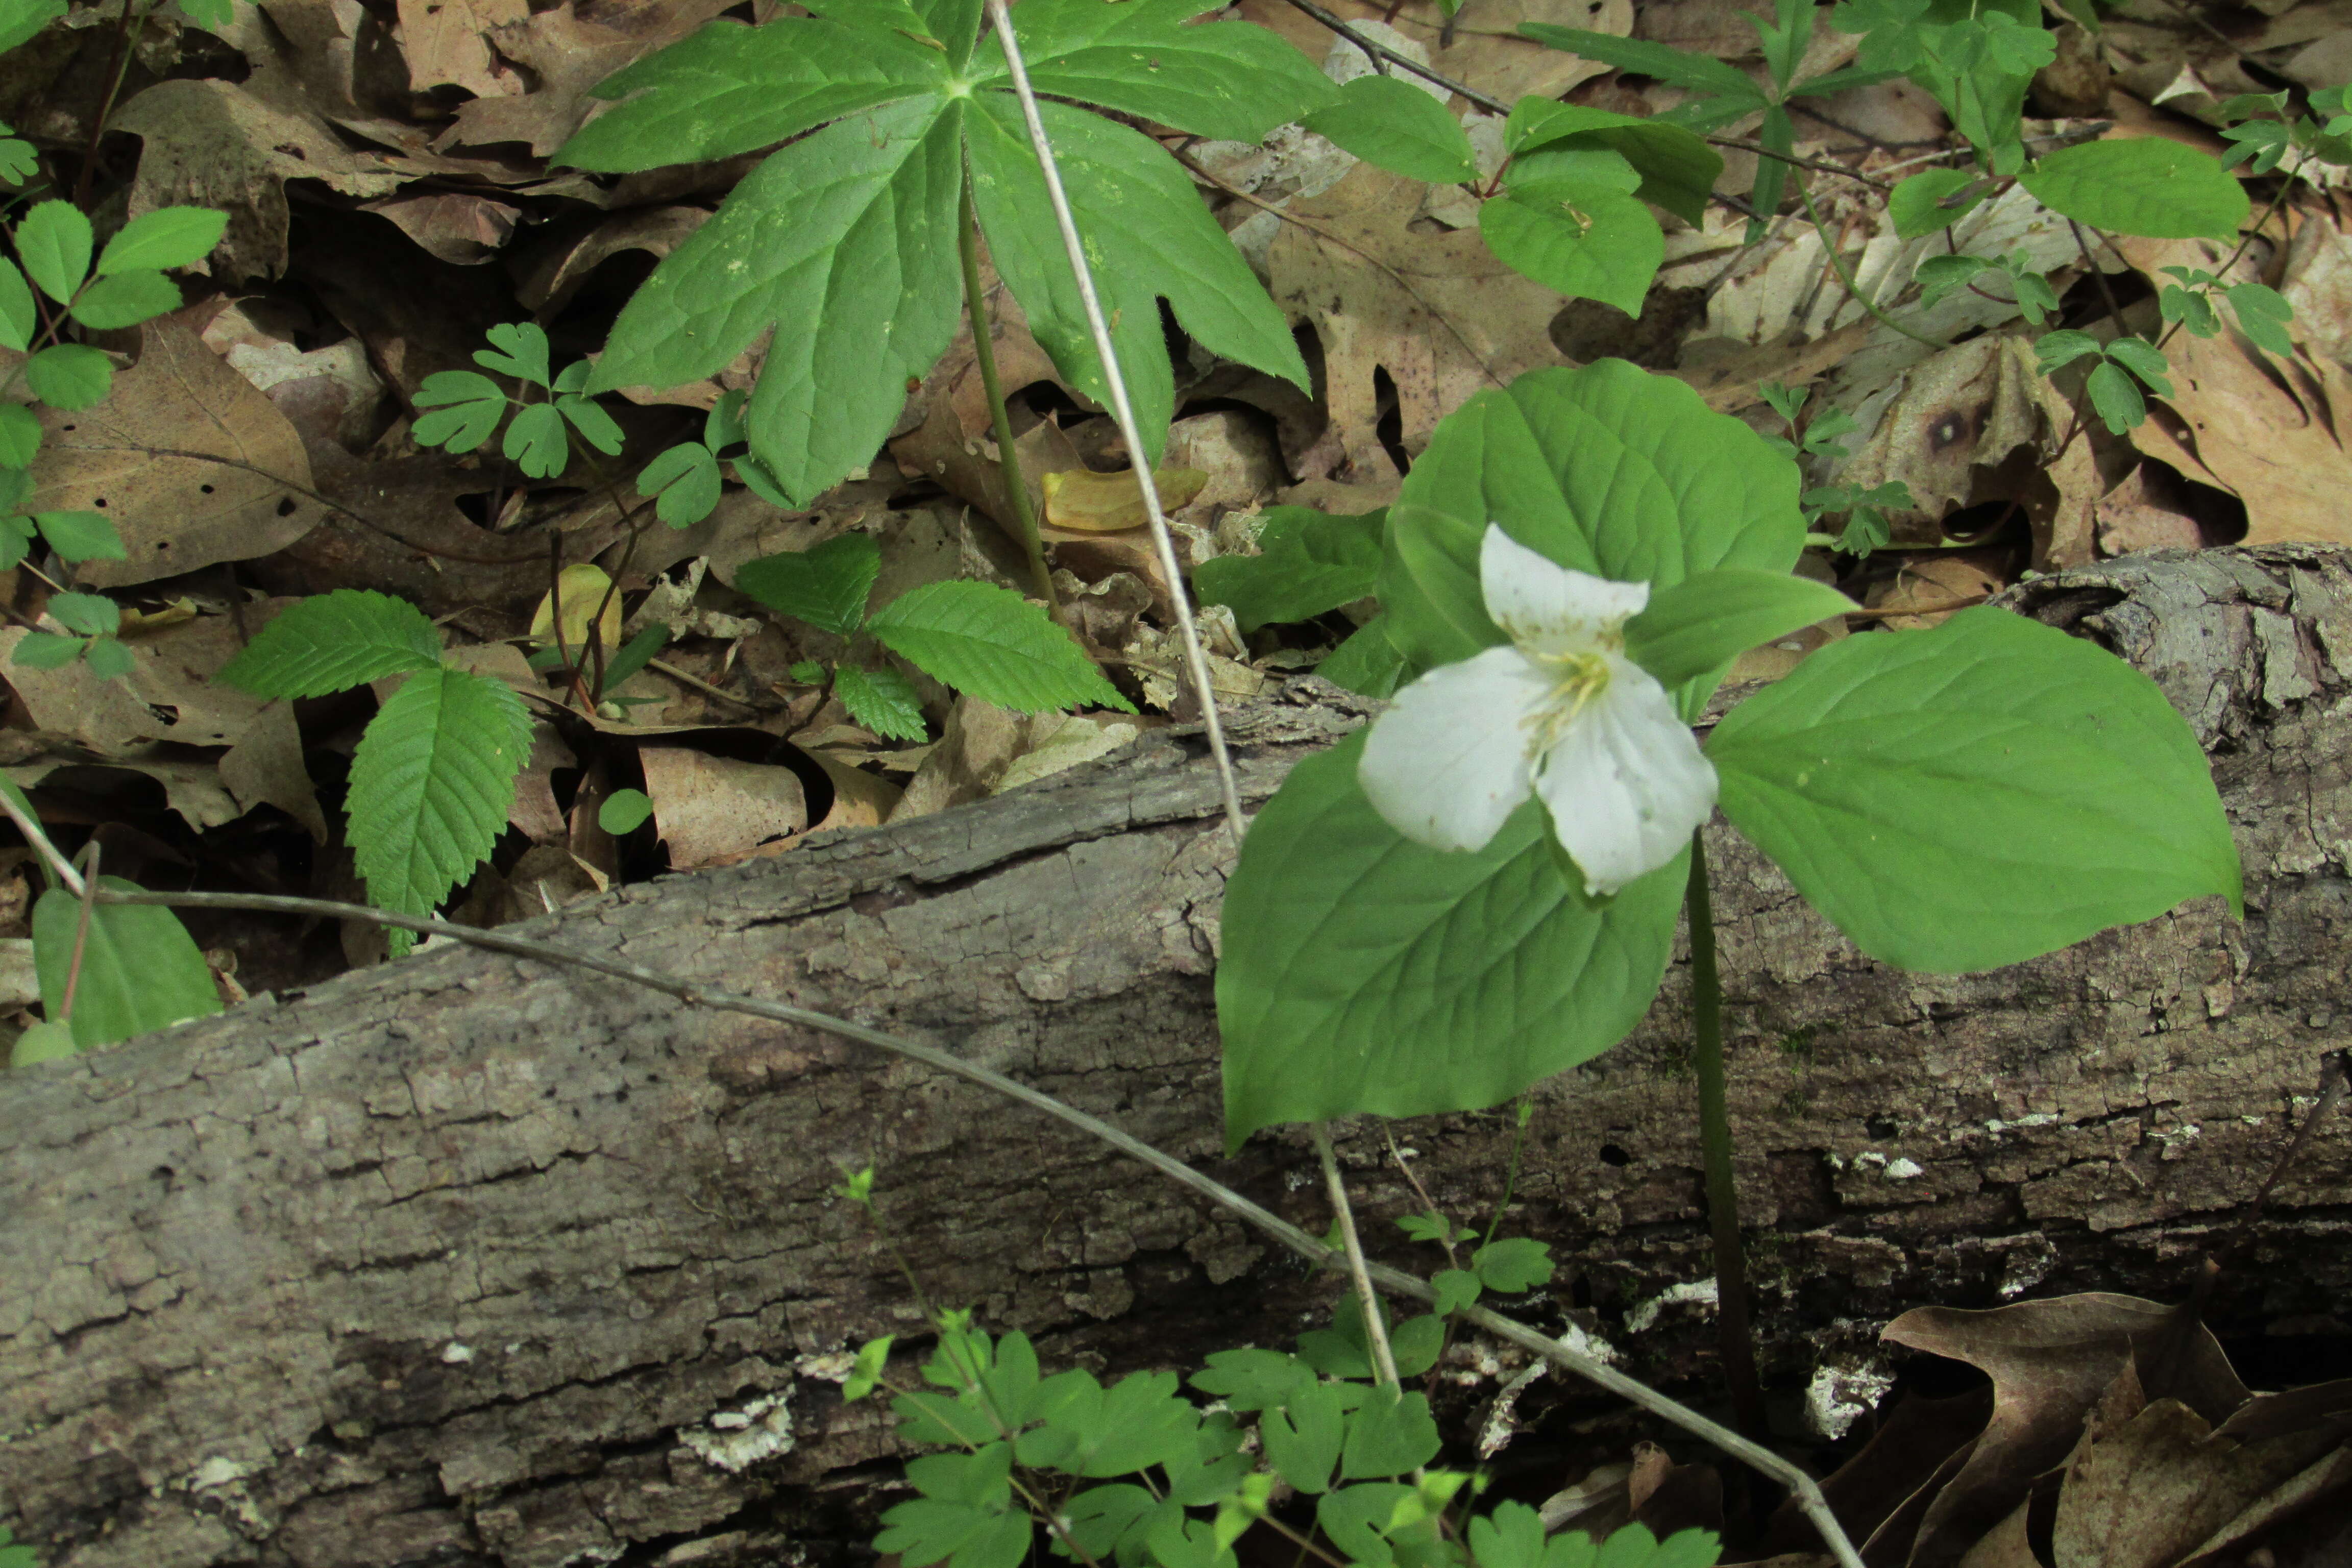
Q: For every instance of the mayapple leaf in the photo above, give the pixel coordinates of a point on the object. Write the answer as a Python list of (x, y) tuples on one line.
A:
[(332, 642), (847, 239), (995, 644), (2147, 185), (432, 782), (53, 241), (1307, 562), (1702, 623), (1607, 469), (1387, 120), (140, 968), (1120, 182), (1365, 973), (166, 237), (2056, 775), (825, 586)]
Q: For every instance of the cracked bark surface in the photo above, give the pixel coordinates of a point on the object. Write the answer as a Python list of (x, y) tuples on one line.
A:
[(472, 1261)]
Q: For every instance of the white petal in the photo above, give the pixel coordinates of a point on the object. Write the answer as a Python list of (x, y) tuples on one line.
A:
[(1627, 784), (1449, 762), (1546, 608)]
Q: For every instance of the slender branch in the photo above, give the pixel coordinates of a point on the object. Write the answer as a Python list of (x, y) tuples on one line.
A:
[(1376, 1333), (1195, 658), (1837, 265), (117, 69), (1818, 165), (90, 884), (1715, 1140), (1377, 52), (983, 354)]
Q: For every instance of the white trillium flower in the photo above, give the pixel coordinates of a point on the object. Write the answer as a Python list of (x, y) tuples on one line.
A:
[(1560, 711)]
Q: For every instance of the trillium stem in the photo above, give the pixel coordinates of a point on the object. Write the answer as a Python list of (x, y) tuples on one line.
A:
[(1376, 1333), (1715, 1141), (983, 354)]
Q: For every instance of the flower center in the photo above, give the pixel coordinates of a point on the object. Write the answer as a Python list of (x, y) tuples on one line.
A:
[(1575, 679)]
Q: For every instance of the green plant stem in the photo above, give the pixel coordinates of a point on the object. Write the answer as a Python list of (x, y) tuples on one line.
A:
[(983, 354), (117, 69), (1523, 1112), (1837, 265), (1376, 1333), (1715, 1140)]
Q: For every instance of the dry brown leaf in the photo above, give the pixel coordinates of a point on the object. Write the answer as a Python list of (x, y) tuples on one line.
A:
[(2326, 1483), (975, 749), (1062, 741), (1931, 591), (1915, 1441), (456, 226), (567, 55), (445, 45), (2153, 1488), (216, 144), (1435, 311), (1487, 53), (716, 811), (859, 798), (2005, 1546), (555, 269)]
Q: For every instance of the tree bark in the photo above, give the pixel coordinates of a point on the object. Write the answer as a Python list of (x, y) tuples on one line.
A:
[(465, 1260)]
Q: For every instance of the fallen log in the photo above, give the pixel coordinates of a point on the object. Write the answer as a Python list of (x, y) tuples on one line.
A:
[(472, 1260)]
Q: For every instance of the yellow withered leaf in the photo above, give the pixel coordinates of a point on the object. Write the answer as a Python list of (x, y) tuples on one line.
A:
[(1110, 503), (583, 588)]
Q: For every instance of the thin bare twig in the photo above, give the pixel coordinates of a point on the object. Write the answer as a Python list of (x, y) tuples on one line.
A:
[(1196, 658), (1377, 52), (1819, 165), (1376, 1333)]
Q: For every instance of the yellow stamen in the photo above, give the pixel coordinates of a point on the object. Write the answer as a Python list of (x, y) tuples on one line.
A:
[(1577, 679)]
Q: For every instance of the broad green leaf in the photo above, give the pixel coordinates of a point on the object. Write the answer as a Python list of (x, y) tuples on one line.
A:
[(1135, 1423), (733, 89), (826, 586), (844, 242), (1607, 469), (80, 536), (995, 644), (20, 436), (535, 442), (1366, 663), (166, 237), (86, 615), (1512, 1266), (1307, 562), (636, 653), (108, 658), (1511, 1536), (1365, 973), (54, 242), (518, 349), (624, 811), (431, 786), (125, 300), (964, 1510), (1928, 202), (332, 642), (883, 700), (1388, 1435), (2056, 775), (467, 407), (1387, 120), (1251, 1379), (19, 320), (42, 1042), (2147, 185), (686, 478), (1154, 240), (2144, 360), (1416, 1343), (2263, 315), (1576, 228), (1704, 622), (1214, 1470), (1359, 1519), (71, 376), (2116, 397), (140, 968), (1234, 80), (20, 19), (1303, 1437), (1678, 169)]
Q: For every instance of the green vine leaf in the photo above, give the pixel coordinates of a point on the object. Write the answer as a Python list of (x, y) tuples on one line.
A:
[(332, 642), (992, 643), (140, 968), (1307, 563), (2147, 185), (1387, 120), (431, 786), (826, 586)]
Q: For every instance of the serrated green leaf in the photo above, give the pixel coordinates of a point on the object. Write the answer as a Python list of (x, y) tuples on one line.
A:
[(79, 536), (44, 650), (1512, 1266), (140, 968), (1365, 973), (20, 19), (20, 318), (20, 436), (431, 784), (108, 658), (467, 407), (535, 442), (87, 615), (71, 376), (332, 642), (2077, 798), (1307, 563), (686, 478), (826, 586), (1576, 228), (1302, 1438), (1232, 79), (995, 644), (1388, 1435), (883, 700), (1387, 120), (1707, 619), (2146, 185), (125, 300), (166, 237), (845, 241), (1121, 183), (1926, 203), (518, 349), (53, 241), (624, 811)]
